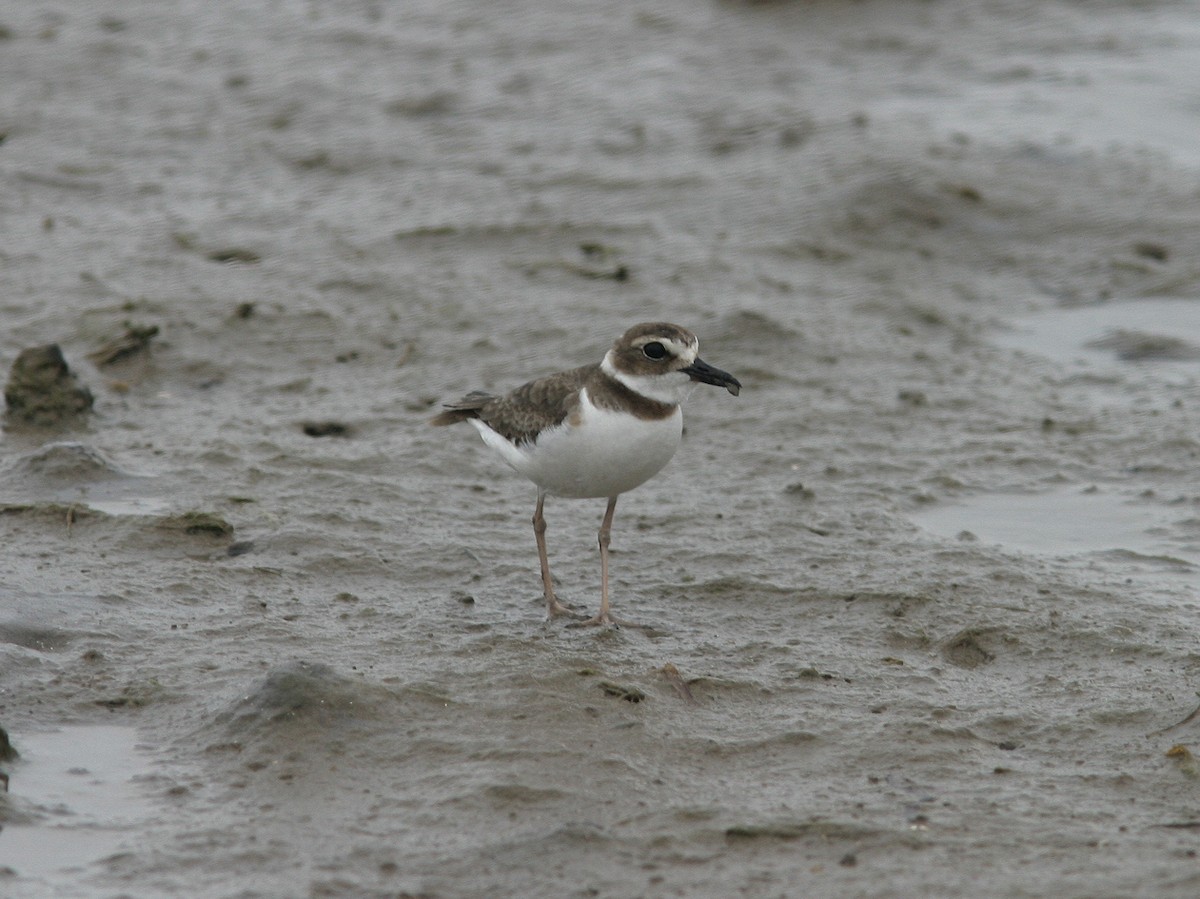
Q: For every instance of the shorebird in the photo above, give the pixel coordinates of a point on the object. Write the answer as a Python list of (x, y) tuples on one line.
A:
[(596, 431)]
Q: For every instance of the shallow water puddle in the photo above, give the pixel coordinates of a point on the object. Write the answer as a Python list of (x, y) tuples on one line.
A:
[(76, 474), (146, 505), (77, 786), (1161, 336), (1121, 103), (1071, 521), (1148, 344)]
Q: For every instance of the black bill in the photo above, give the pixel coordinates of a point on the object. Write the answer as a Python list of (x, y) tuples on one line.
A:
[(702, 371)]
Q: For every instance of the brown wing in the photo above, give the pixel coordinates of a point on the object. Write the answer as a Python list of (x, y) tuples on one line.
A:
[(467, 407), (520, 415)]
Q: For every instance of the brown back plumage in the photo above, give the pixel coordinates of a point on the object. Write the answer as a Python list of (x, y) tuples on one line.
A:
[(520, 415), (541, 404)]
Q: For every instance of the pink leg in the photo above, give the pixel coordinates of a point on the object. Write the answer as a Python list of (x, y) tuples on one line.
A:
[(605, 617), (554, 608)]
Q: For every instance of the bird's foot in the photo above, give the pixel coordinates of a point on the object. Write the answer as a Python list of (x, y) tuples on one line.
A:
[(556, 609), (604, 620)]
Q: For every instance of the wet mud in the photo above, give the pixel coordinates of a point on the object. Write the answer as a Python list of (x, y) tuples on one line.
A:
[(918, 607)]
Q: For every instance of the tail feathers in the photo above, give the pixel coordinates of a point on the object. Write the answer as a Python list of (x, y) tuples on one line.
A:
[(467, 407)]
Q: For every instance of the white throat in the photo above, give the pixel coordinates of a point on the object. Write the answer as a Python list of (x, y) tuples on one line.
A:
[(671, 388)]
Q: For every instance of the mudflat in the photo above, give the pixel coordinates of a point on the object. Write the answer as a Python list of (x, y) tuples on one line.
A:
[(920, 605)]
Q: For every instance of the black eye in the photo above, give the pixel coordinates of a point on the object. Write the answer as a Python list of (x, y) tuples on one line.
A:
[(655, 350)]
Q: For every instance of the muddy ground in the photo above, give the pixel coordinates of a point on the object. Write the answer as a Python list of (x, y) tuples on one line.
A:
[(270, 237)]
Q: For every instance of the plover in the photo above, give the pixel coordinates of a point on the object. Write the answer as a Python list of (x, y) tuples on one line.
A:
[(594, 431)]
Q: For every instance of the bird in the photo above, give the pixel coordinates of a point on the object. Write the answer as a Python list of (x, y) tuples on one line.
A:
[(594, 432)]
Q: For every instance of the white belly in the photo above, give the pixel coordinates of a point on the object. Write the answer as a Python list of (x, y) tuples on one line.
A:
[(605, 454)]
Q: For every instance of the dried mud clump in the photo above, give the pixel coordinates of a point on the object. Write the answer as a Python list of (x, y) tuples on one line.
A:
[(43, 392), (135, 340), (7, 752)]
